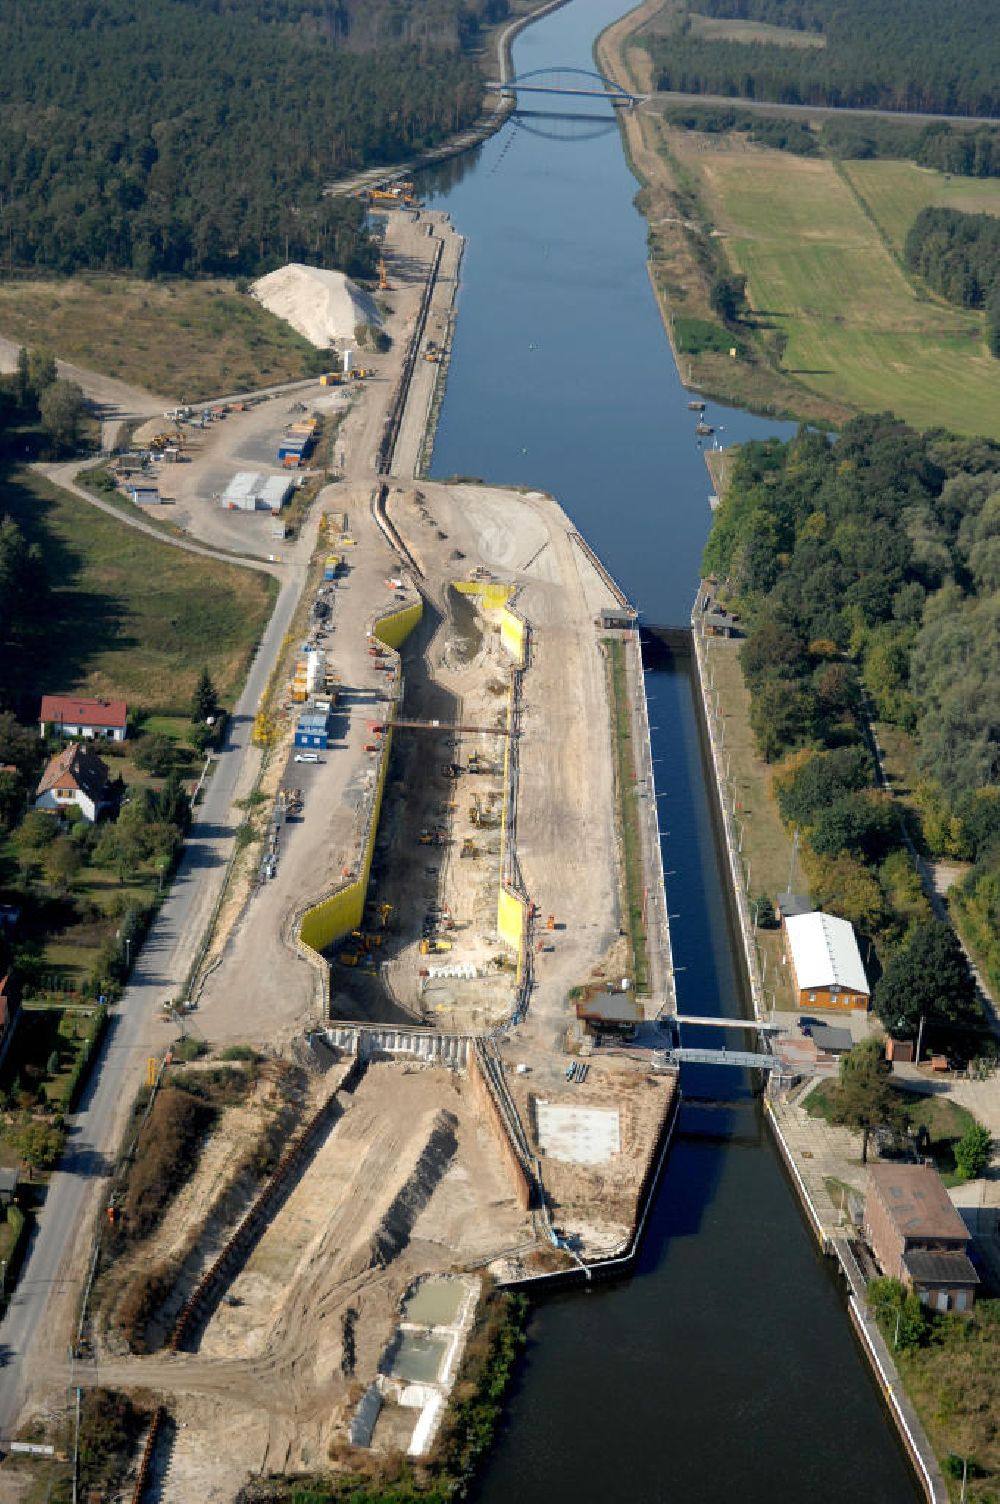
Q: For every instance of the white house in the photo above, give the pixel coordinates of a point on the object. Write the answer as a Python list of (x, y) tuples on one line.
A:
[(68, 715), (76, 775)]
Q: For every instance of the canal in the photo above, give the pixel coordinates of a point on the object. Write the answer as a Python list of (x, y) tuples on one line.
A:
[(726, 1367)]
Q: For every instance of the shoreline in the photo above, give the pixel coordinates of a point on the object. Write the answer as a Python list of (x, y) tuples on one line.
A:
[(873, 1345)]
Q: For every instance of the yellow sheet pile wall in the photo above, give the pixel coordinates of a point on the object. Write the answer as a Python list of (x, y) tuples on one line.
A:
[(342, 912)]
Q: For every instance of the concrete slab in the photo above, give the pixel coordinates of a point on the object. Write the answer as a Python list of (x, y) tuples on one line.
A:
[(578, 1135)]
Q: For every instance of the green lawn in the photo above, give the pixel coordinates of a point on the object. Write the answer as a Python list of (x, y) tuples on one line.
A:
[(945, 1121), (628, 813), (130, 616), (895, 192), (766, 842), (819, 274)]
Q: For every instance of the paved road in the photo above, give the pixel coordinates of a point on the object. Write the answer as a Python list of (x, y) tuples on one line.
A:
[(76, 1191), (813, 111)]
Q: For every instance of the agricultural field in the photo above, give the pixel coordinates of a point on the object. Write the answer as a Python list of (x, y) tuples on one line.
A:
[(188, 340), (725, 29), (130, 616), (821, 280), (895, 193)]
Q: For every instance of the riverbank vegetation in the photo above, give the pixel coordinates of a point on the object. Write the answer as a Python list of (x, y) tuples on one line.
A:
[(909, 55), (628, 814), (861, 568), (155, 159), (950, 1369)]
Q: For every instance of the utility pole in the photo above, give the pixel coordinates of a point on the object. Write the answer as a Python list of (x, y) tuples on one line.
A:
[(791, 865), (920, 1039)]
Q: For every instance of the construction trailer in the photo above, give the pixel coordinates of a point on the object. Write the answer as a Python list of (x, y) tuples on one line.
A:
[(331, 567), (313, 729)]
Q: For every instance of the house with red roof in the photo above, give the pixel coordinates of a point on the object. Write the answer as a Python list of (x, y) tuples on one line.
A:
[(76, 776), (69, 715)]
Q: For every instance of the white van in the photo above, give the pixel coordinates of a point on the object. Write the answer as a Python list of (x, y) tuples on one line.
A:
[(307, 757)]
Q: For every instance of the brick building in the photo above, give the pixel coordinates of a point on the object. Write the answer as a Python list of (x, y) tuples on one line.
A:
[(918, 1237)]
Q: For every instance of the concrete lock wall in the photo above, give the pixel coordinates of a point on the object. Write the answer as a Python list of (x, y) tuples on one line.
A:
[(487, 1107), (342, 911)]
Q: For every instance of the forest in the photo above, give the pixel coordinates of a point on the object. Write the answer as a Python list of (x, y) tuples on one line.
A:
[(163, 136), (867, 568), (940, 56), (959, 256)]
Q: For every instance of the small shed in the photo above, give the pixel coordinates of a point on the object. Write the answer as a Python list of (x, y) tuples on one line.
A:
[(8, 1186), (791, 905), (313, 729), (144, 495), (615, 1013), (617, 618)]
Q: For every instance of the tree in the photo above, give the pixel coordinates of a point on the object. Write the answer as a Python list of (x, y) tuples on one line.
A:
[(898, 1312), (62, 861), (866, 1098), (205, 701), (726, 297), (154, 754), (815, 784), (39, 1144), (927, 978), (23, 377), (860, 823), (42, 370), (781, 716), (973, 1152), (61, 407)]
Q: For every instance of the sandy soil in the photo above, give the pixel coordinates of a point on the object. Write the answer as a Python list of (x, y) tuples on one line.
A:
[(324, 306), (405, 1182)]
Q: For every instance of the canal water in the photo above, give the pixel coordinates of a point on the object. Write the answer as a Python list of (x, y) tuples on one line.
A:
[(726, 1368)]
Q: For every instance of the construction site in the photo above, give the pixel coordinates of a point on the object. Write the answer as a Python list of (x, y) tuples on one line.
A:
[(439, 876)]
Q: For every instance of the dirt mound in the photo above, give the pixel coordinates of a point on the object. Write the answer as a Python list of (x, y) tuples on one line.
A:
[(395, 1225), (322, 305)]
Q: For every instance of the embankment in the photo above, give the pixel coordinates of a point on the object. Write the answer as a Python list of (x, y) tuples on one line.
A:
[(890, 1384)]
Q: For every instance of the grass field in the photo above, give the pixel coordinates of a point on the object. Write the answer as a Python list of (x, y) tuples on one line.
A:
[(128, 615), (766, 842), (185, 340), (720, 28), (818, 272), (895, 192)]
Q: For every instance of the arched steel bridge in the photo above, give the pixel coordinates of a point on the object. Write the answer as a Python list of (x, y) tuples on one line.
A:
[(579, 83)]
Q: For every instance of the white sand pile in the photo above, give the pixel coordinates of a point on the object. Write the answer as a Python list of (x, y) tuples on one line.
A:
[(323, 306)]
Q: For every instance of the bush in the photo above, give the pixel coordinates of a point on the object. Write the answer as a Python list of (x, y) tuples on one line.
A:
[(167, 1144), (973, 1152), (142, 1300)]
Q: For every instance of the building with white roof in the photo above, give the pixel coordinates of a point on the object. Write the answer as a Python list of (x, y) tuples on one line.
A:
[(250, 491), (827, 971)]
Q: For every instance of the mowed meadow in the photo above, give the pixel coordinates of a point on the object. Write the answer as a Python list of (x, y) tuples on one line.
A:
[(821, 275), (895, 193), (127, 615)]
